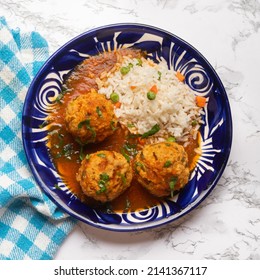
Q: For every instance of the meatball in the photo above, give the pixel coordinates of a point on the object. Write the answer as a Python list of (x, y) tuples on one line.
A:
[(104, 175), (162, 168), (90, 117)]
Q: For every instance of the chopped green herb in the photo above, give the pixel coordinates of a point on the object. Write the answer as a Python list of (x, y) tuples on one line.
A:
[(88, 126), (112, 125), (102, 183), (59, 97), (137, 163), (99, 112), (131, 148), (114, 97), (104, 177), (159, 75), (58, 136), (130, 125), (151, 95), (43, 124), (87, 157), (172, 184), (101, 155), (126, 156), (81, 153), (102, 186), (140, 62), (56, 186), (85, 122), (123, 178), (168, 163), (64, 150), (132, 135), (151, 132)]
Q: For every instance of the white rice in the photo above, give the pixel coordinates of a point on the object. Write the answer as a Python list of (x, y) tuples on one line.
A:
[(174, 109)]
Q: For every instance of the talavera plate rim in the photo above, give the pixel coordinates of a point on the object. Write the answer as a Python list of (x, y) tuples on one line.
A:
[(160, 44)]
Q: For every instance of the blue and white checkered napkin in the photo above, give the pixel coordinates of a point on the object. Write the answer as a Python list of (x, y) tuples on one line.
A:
[(31, 226)]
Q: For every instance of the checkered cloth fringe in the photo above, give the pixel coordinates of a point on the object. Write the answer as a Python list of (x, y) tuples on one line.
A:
[(31, 226)]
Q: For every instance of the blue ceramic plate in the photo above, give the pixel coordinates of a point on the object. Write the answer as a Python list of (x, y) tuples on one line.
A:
[(216, 133)]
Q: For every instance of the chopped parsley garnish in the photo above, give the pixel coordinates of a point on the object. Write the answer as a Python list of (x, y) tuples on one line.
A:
[(59, 136), (104, 177), (151, 132), (43, 124), (102, 183), (56, 186), (61, 94), (159, 75), (86, 123), (126, 156), (81, 153), (101, 155), (112, 125), (172, 184), (139, 164), (123, 178), (63, 150), (140, 62), (130, 125), (168, 163), (131, 148), (99, 112), (59, 97)]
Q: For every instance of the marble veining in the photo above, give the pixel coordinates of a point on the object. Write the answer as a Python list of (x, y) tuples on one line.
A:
[(227, 224)]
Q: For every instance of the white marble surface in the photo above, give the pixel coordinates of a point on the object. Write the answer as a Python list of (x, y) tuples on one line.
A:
[(227, 224)]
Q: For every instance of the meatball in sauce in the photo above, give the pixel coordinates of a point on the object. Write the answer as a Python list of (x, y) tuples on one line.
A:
[(162, 168), (90, 117), (104, 175)]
